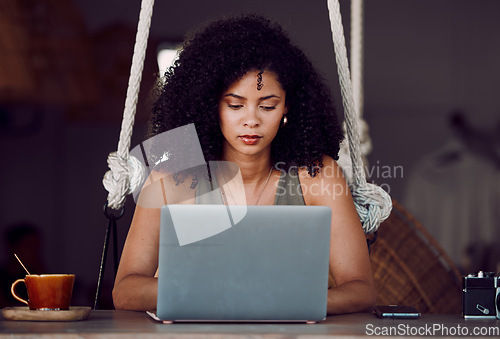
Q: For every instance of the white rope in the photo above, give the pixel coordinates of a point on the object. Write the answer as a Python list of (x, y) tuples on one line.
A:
[(357, 55), (126, 172), (122, 179), (356, 60), (372, 202), (357, 42)]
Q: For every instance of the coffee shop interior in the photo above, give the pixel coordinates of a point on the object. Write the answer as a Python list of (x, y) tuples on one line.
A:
[(430, 89)]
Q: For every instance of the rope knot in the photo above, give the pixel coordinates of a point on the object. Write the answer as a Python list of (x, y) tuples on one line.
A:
[(373, 205), (123, 178)]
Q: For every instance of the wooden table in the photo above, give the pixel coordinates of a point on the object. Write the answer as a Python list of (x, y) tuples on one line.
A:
[(128, 324)]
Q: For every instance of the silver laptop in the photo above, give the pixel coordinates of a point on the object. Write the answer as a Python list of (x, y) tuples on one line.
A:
[(243, 263)]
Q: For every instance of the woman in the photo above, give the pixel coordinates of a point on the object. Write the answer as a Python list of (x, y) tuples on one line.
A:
[(256, 101)]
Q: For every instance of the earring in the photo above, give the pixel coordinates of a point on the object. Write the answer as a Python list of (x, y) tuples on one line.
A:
[(285, 121)]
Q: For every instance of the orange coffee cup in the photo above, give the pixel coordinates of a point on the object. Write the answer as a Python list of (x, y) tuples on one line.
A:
[(47, 291)]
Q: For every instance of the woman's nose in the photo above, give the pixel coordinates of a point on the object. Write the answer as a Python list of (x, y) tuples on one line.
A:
[(251, 118)]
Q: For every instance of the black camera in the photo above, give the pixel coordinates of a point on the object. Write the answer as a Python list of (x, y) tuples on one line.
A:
[(481, 296)]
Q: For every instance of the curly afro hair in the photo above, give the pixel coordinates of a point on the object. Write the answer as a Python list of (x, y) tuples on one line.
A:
[(224, 51)]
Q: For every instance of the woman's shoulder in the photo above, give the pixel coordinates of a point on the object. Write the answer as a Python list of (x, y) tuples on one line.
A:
[(162, 187), (330, 170), (328, 183)]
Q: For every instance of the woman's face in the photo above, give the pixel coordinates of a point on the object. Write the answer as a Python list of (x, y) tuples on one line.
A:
[(250, 113)]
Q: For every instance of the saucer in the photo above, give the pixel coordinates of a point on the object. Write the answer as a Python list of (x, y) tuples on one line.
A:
[(24, 313)]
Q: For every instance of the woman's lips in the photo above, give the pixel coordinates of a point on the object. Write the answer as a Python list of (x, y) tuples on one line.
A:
[(250, 139)]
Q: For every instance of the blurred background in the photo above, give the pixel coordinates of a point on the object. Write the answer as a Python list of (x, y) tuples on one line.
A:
[(431, 84)]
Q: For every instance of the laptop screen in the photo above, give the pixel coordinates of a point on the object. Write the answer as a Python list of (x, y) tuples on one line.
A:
[(243, 263)]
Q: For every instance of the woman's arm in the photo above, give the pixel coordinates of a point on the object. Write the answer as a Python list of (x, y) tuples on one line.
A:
[(354, 289), (135, 285)]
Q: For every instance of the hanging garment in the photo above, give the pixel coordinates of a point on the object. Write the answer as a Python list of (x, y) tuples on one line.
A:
[(456, 195)]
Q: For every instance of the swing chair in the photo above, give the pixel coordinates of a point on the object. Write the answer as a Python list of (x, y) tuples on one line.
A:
[(372, 203)]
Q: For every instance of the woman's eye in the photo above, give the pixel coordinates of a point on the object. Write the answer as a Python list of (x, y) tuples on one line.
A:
[(235, 107), (268, 108)]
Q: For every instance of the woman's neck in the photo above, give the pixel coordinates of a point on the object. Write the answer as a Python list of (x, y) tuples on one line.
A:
[(253, 167), (256, 179)]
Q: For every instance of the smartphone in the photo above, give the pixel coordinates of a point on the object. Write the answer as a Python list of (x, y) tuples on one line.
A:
[(396, 312)]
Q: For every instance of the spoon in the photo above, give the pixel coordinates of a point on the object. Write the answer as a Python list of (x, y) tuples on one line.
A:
[(22, 264)]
